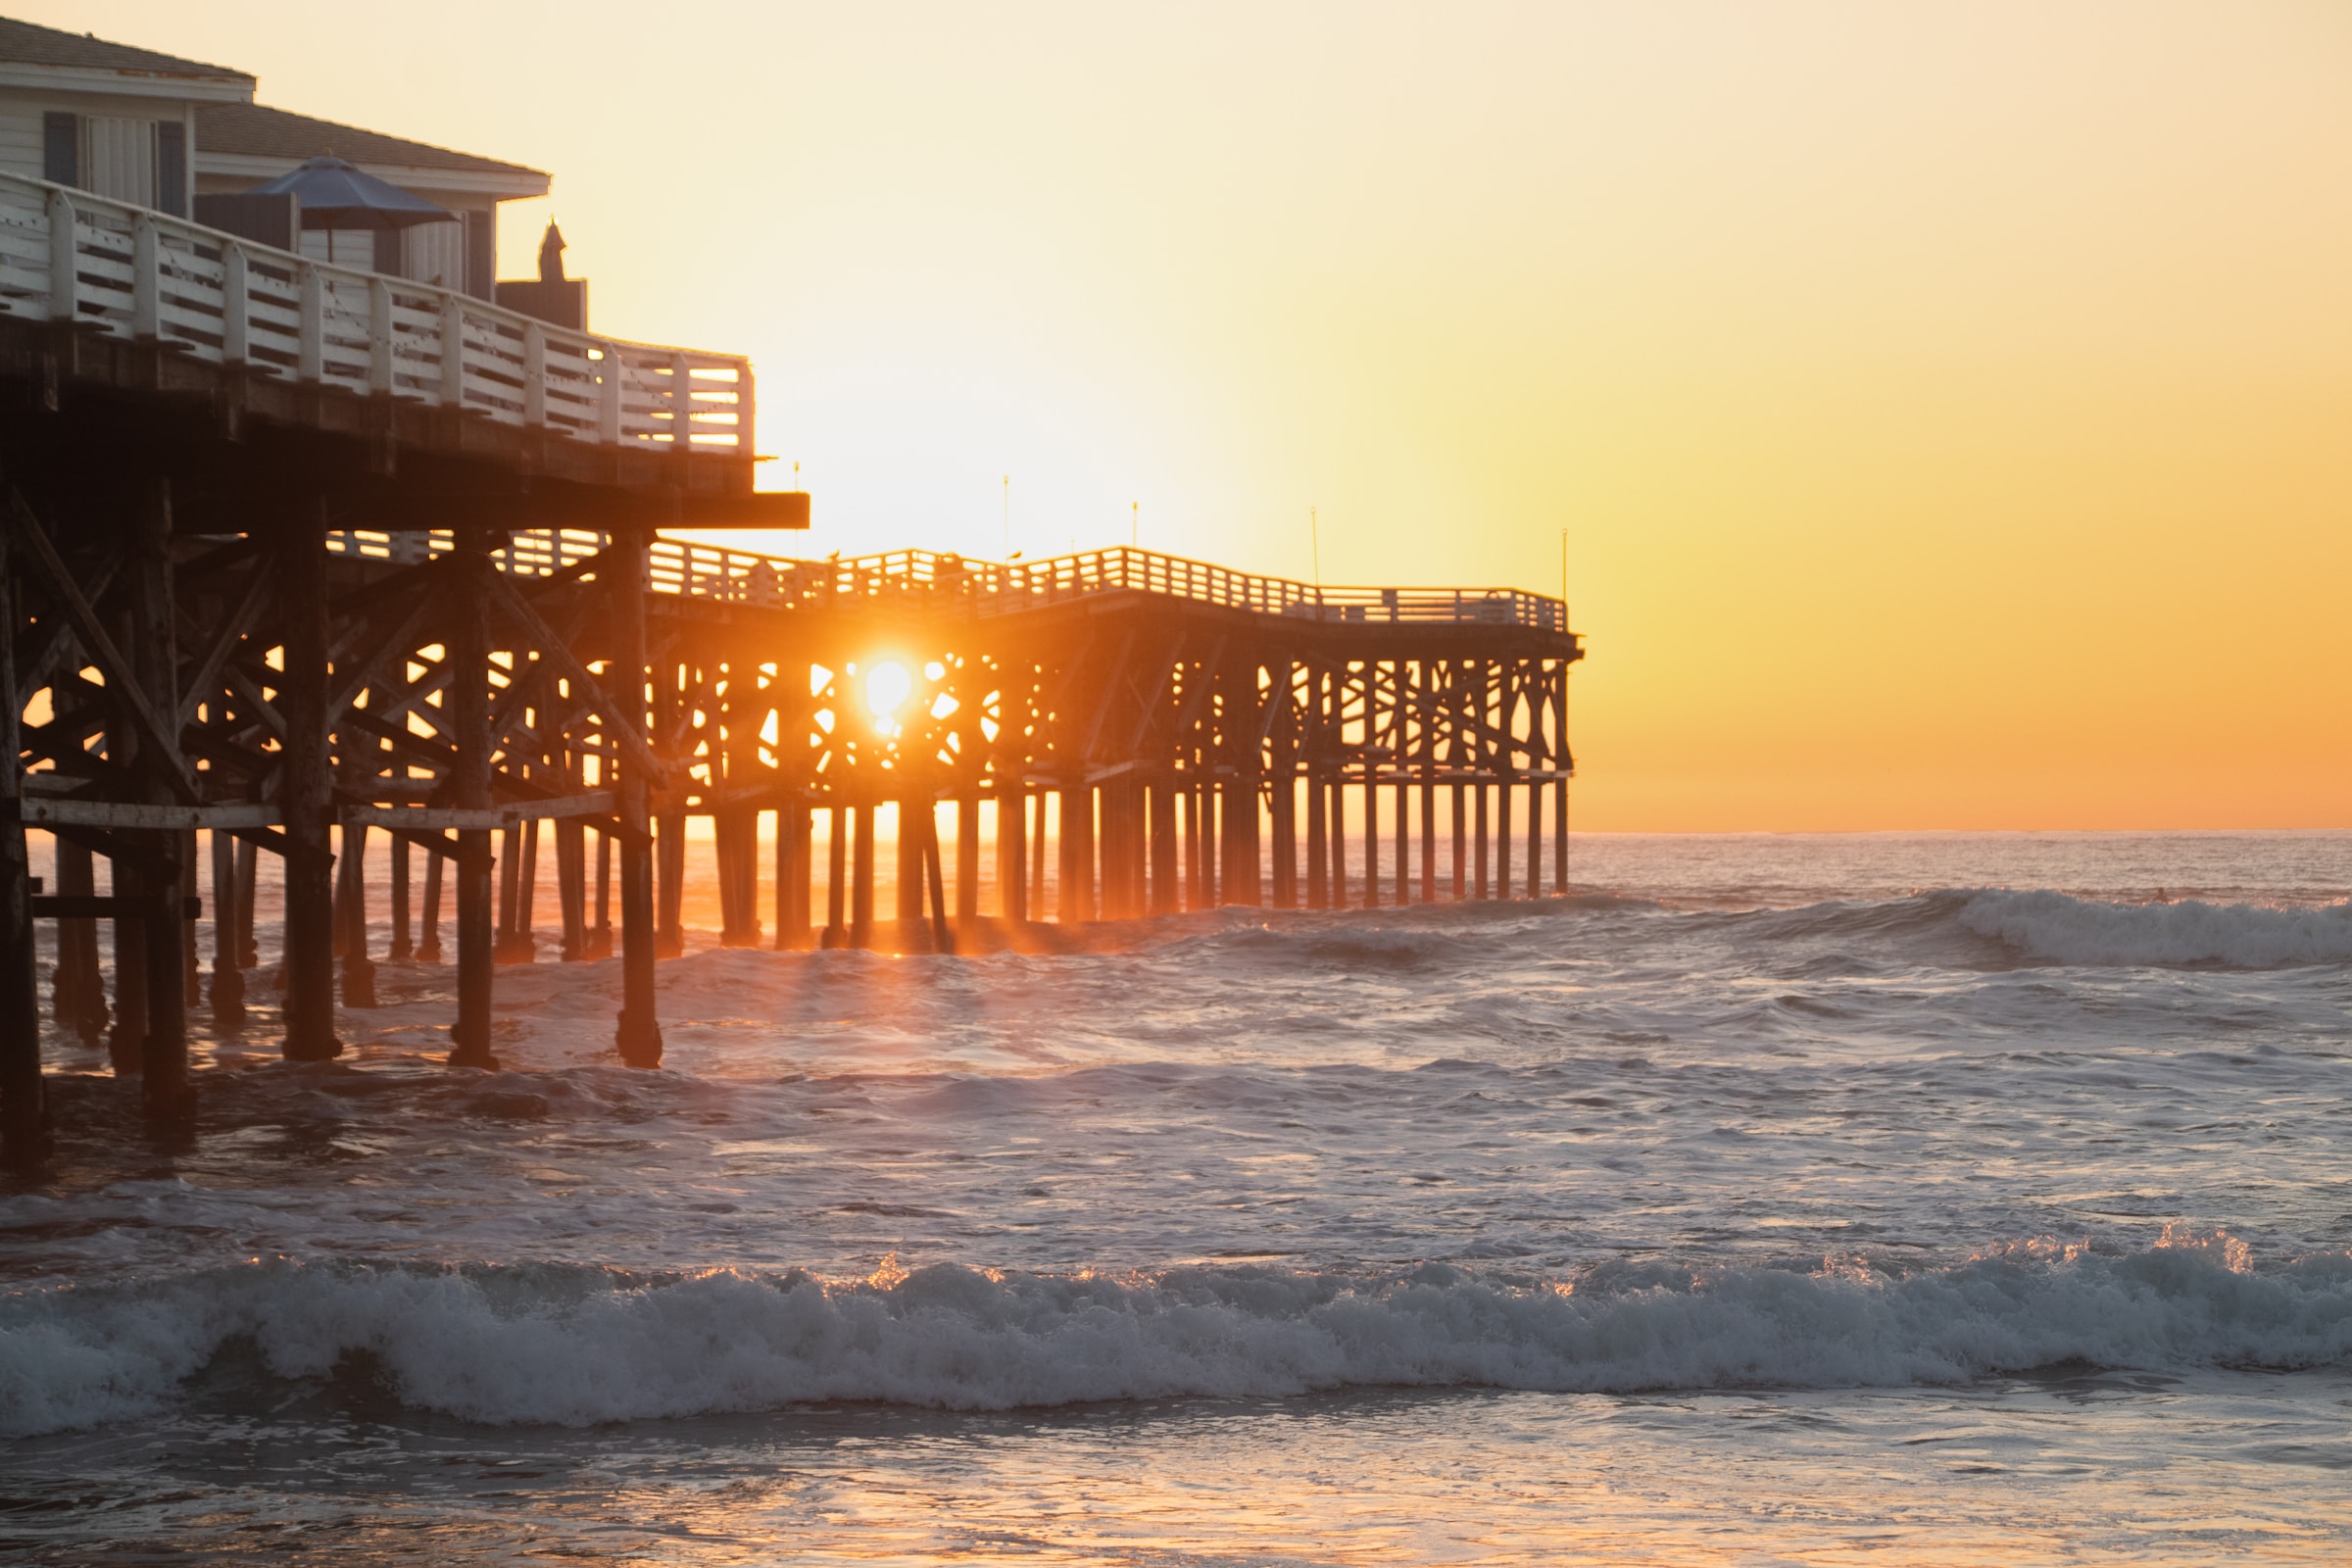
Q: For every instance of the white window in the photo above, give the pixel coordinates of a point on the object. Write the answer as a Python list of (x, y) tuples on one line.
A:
[(122, 159), (345, 247), (436, 253)]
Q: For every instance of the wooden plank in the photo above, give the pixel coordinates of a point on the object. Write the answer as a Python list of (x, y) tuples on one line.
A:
[(764, 509), (72, 907), (423, 818), (66, 812), (596, 802), (594, 805)]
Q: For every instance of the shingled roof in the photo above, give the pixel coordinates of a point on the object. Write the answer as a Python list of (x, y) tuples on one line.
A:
[(26, 43), (253, 130)]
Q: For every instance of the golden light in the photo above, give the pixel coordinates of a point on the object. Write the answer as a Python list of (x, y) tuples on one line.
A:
[(887, 688)]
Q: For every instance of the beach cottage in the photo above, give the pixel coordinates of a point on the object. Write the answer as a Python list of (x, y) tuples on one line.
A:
[(185, 138)]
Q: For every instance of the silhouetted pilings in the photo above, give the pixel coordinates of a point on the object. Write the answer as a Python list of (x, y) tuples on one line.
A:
[(1165, 737)]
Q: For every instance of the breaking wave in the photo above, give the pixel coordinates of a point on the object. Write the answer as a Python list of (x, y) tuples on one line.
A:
[(2057, 928), (577, 1344)]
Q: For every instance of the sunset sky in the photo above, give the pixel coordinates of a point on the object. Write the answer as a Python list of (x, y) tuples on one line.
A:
[(1950, 406)]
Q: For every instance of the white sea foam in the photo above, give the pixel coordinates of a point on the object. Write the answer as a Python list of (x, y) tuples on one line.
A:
[(2057, 928), (576, 1346)]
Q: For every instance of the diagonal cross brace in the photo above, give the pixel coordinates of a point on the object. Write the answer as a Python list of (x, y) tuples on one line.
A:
[(122, 682), (632, 743), (205, 684)]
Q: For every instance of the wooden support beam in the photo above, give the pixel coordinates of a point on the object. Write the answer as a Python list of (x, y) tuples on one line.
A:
[(1429, 841), (249, 865), (38, 663), (793, 843), (127, 1038), (402, 947), (764, 510), (1077, 902), (514, 943), (913, 811), (1012, 850), (1404, 845), (670, 860), (24, 1096), (637, 1033), (600, 934), (862, 877), (1479, 860), (351, 888), (634, 750), (1039, 805), (571, 886), (837, 930), (527, 900), (174, 907), (429, 926), (1318, 841), (1559, 836), (427, 818), (1567, 766), (469, 722), (204, 682), (122, 685), (967, 856), (1502, 837), (1282, 801), (1189, 808), (1238, 817), (1461, 857), (942, 939), (1535, 838), (305, 794), (1211, 844), (166, 1093), (228, 976), (735, 834), (1166, 891), (71, 811)]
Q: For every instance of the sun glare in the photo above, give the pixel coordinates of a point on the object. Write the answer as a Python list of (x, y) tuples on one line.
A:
[(887, 688)]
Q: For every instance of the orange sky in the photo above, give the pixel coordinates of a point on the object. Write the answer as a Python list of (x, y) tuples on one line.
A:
[(1949, 406)]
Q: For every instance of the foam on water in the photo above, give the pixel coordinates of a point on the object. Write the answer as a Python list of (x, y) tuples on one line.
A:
[(578, 1346), (2056, 928)]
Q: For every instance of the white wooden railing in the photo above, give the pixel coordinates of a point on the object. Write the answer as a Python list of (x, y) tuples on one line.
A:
[(983, 587), (132, 273), (996, 588)]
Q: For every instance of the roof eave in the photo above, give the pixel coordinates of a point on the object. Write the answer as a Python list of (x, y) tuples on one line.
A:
[(190, 89)]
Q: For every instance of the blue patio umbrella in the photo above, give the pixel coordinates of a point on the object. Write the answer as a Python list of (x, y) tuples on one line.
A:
[(335, 195)]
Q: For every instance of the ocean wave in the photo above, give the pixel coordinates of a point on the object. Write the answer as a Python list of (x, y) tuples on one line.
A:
[(577, 1344), (2055, 927)]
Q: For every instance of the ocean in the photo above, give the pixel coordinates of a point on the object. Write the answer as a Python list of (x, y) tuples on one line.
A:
[(1940, 1199)]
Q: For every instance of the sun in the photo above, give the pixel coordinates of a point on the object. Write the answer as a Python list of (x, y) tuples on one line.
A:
[(887, 688)]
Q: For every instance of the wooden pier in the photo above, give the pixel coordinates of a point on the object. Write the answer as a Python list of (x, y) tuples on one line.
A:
[(321, 566)]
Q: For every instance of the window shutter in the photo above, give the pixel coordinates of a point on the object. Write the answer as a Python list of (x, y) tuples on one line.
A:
[(482, 253), (60, 147), (171, 167)]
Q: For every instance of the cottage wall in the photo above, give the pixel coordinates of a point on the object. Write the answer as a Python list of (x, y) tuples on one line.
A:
[(119, 150)]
